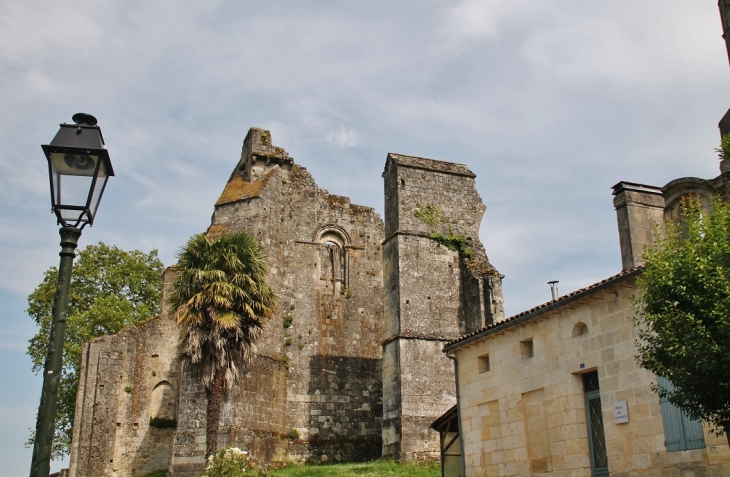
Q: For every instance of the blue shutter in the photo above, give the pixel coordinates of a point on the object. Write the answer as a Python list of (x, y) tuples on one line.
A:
[(693, 433), (680, 432)]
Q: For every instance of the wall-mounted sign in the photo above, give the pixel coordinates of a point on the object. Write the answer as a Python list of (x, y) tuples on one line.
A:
[(620, 412)]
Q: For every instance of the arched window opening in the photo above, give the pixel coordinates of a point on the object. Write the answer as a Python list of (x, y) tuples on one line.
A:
[(580, 329), (332, 262), (162, 402)]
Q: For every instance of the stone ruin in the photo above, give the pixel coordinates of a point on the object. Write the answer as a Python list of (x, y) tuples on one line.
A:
[(349, 368)]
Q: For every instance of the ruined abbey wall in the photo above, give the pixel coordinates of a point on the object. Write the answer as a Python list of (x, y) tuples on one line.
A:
[(317, 382), (125, 380), (322, 347), (436, 291)]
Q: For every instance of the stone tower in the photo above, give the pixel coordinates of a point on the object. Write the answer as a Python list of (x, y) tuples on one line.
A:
[(439, 285)]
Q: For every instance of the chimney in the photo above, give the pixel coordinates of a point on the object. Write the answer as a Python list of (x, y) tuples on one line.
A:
[(554, 289), (639, 211)]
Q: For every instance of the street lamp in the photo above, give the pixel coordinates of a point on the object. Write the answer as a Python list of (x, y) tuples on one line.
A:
[(78, 168)]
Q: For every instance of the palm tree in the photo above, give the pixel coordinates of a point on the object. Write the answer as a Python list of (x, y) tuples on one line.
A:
[(221, 297)]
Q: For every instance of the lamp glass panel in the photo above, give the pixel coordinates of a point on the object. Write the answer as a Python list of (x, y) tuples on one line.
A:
[(72, 176), (72, 215), (69, 215), (71, 164), (95, 196)]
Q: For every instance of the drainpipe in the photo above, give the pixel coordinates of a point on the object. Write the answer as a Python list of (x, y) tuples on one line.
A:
[(451, 356), (554, 289)]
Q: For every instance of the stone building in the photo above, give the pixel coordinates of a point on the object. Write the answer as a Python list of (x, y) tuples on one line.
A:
[(557, 390), (350, 365), (423, 312)]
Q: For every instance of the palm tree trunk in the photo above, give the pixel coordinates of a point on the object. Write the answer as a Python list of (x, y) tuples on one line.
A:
[(213, 413)]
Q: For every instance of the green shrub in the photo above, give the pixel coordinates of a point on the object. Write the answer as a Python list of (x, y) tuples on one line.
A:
[(293, 435), (288, 320), (157, 473), (724, 150), (230, 462), (285, 362), (163, 423), (454, 242)]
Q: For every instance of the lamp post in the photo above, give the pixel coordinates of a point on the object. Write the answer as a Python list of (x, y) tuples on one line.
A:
[(724, 6), (78, 168)]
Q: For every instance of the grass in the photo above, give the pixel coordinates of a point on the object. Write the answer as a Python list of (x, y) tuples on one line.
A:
[(387, 468), (157, 473), (376, 468)]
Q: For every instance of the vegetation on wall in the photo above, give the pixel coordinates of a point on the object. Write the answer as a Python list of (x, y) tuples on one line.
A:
[(441, 231), (683, 312), (163, 423), (288, 320), (723, 151)]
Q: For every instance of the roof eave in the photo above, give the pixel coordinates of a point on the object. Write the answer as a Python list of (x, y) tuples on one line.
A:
[(539, 311)]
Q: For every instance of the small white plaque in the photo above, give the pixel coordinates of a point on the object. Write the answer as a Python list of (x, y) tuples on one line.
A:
[(620, 412)]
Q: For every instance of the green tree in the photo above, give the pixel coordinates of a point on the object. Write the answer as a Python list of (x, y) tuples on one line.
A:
[(110, 289), (221, 297), (683, 312)]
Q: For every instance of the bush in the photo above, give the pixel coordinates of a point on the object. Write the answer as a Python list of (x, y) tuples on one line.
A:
[(230, 462), (163, 423), (157, 473)]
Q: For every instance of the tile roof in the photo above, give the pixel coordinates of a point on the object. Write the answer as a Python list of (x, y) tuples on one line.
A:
[(540, 309)]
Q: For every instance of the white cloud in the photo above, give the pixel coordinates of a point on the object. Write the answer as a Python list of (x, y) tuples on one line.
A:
[(344, 137)]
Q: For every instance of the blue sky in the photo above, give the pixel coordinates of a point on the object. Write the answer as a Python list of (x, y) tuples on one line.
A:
[(550, 103)]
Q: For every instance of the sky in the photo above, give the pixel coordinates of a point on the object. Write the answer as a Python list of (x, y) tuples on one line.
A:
[(550, 103)]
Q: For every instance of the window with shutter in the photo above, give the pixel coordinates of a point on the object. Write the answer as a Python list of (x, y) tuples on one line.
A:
[(680, 432)]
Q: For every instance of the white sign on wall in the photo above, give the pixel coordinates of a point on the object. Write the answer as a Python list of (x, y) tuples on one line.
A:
[(620, 412)]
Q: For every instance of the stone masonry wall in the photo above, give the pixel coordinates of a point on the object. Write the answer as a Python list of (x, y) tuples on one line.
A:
[(322, 346), (127, 379), (526, 415), (321, 379), (433, 294)]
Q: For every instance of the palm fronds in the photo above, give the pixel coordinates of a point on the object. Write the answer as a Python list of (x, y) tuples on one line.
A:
[(221, 296)]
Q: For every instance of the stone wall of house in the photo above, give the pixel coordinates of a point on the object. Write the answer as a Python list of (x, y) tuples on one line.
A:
[(525, 414), (126, 379), (433, 294)]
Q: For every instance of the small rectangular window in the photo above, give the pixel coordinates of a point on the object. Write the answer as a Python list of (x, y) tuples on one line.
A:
[(483, 363), (527, 349)]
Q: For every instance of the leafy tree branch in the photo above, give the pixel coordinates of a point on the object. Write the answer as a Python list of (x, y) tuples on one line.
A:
[(683, 312), (110, 290)]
